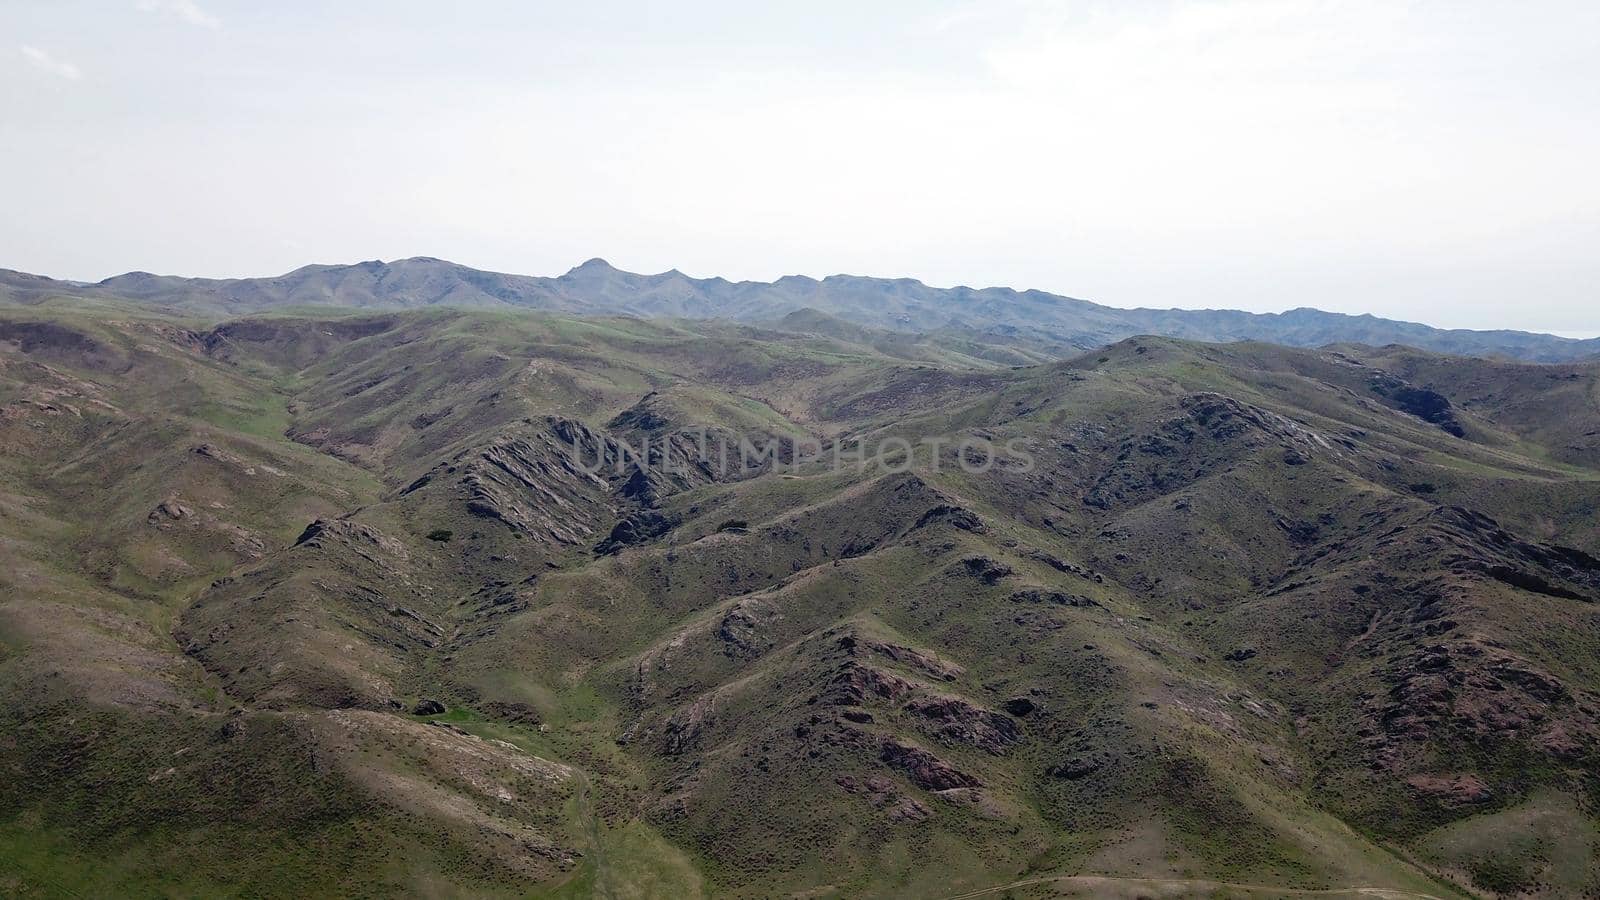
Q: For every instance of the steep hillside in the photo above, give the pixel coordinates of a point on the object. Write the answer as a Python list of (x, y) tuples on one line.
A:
[(999, 324), (501, 602)]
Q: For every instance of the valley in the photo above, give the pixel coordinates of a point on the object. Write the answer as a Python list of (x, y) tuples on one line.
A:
[(350, 589)]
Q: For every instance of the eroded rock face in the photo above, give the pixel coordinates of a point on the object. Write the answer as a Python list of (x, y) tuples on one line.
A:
[(954, 516), (925, 770), (958, 721), (1061, 565), (635, 528), (1075, 768), (169, 509), (743, 630), (1428, 405), (348, 535), (1053, 598), (1462, 687), (684, 729), (1225, 417), (543, 484), (559, 481), (883, 795), (1021, 707), (856, 683), (917, 659), (1484, 547), (949, 718), (1453, 790), (1207, 431), (330, 622), (987, 570)]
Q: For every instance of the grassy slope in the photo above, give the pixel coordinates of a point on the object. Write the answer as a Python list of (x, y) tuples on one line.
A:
[(727, 776)]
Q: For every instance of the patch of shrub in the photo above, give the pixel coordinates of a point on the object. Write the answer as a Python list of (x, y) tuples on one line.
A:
[(441, 534), (1499, 874)]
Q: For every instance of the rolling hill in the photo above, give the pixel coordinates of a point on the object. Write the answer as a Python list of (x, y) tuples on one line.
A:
[(478, 601)]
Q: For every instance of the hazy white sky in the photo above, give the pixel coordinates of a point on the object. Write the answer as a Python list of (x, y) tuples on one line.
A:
[(1433, 161)]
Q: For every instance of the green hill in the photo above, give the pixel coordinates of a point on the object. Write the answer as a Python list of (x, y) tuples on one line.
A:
[(500, 602)]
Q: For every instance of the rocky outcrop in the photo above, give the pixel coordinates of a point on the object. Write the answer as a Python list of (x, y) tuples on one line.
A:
[(957, 721), (1021, 707), (351, 536), (169, 510), (857, 683), (1450, 689), (952, 515), (1052, 598), (925, 770), (1061, 565), (1484, 547), (743, 629), (1452, 790), (1206, 431), (1428, 405), (560, 481), (883, 796), (637, 527), (683, 730), (984, 569), (917, 659), (544, 484), (948, 718)]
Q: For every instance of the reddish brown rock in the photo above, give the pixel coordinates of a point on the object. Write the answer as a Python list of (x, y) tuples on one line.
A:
[(857, 683), (958, 721), (1454, 790), (925, 770)]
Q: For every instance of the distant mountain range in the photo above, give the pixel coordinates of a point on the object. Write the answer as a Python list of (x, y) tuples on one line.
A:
[(1047, 324)]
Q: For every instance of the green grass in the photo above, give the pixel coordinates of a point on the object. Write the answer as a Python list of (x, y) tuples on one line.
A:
[(689, 682), (631, 863)]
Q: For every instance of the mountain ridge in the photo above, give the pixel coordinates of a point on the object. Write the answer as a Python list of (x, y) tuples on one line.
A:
[(1058, 324), (478, 590)]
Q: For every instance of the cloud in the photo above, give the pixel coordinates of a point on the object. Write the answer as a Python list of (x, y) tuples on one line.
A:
[(187, 10), (44, 62), (955, 18)]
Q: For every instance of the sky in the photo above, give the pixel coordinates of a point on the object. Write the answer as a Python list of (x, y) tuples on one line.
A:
[(1429, 161)]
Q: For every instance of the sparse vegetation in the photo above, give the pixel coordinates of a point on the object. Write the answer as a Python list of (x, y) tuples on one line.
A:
[(264, 631)]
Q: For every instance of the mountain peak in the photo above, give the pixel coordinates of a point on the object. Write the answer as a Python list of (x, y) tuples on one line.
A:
[(594, 266)]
